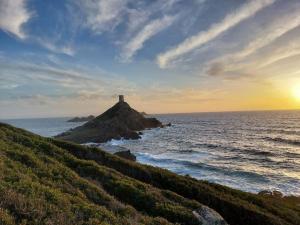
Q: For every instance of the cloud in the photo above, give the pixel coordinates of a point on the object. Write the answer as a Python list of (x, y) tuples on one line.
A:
[(60, 49), (247, 10), (58, 81), (138, 21), (25, 73), (6, 83), (215, 69), (151, 29), (280, 55), (271, 33), (103, 15), (275, 35), (13, 15), (140, 16)]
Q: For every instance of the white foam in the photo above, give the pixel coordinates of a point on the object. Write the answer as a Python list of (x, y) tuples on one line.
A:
[(91, 144), (115, 142)]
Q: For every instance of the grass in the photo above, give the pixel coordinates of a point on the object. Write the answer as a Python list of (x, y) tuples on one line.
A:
[(49, 181)]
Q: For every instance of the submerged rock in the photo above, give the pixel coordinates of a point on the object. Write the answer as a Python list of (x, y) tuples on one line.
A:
[(208, 216), (126, 155), (120, 121)]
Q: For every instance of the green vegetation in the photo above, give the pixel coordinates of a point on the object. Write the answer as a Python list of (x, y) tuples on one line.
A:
[(49, 181)]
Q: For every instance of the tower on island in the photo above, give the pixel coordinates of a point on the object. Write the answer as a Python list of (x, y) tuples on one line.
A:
[(121, 98)]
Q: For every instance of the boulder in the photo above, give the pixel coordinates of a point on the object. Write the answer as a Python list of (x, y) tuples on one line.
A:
[(208, 216), (126, 155)]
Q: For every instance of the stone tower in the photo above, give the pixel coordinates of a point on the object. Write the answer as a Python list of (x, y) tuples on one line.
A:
[(121, 98)]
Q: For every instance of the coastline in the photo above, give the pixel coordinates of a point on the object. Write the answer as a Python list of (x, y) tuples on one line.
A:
[(195, 146), (170, 196), (140, 158)]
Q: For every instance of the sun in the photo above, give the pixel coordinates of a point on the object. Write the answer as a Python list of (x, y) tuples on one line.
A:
[(296, 92)]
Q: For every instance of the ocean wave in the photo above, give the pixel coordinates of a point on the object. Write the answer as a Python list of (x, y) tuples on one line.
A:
[(158, 160), (277, 131), (283, 140), (209, 145), (183, 151), (249, 151), (115, 142), (91, 144)]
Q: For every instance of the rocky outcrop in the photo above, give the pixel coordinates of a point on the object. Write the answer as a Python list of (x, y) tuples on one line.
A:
[(81, 119), (274, 193), (126, 155), (144, 113), (208, 216), (120, 121)]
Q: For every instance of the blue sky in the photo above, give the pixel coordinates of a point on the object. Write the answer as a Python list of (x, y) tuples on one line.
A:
[(64, 57)]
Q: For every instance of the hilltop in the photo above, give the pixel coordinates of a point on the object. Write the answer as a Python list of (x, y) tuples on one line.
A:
[(120, 121), (50, 181)]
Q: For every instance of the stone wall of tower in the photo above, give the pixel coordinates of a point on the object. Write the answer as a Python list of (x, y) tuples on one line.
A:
[(121, 98)]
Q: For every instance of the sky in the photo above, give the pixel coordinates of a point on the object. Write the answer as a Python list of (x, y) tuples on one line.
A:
[(72, 58)]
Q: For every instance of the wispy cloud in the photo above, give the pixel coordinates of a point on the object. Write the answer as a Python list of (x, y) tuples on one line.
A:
[(49, 74), (280, 54), (58, 80), (55, 48), (103, 15), (13, 15), (140, 16), (247, 10), (273, 31), (139, 21), (151, 29)]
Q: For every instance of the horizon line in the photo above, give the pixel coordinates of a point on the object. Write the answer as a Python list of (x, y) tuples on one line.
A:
[(171, 113)]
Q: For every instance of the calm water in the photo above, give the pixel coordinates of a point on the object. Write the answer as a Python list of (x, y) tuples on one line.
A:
[(251, 151)]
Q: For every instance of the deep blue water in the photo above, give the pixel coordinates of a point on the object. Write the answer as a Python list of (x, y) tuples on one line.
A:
[(251, 151)]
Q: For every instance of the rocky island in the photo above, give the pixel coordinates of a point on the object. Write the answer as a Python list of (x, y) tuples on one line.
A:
[(81, 119), (120, 121)]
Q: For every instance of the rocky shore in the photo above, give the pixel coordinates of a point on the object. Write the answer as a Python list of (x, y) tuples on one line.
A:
[(126, 155), (50, 181)]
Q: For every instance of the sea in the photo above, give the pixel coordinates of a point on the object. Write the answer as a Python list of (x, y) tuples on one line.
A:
[(250, 151)]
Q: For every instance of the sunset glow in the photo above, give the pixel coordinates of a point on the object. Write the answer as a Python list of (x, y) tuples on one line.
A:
[(164, 56), (296, 92)]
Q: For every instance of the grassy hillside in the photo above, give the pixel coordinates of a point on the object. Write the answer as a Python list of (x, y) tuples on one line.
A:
[(48, 181)]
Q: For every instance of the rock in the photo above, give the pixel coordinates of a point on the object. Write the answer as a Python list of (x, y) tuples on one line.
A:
[(126, 155), (81, 119), (275, 193), (120, 121), (208, 216), (131, 135), (168, 125), (265, 192)]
